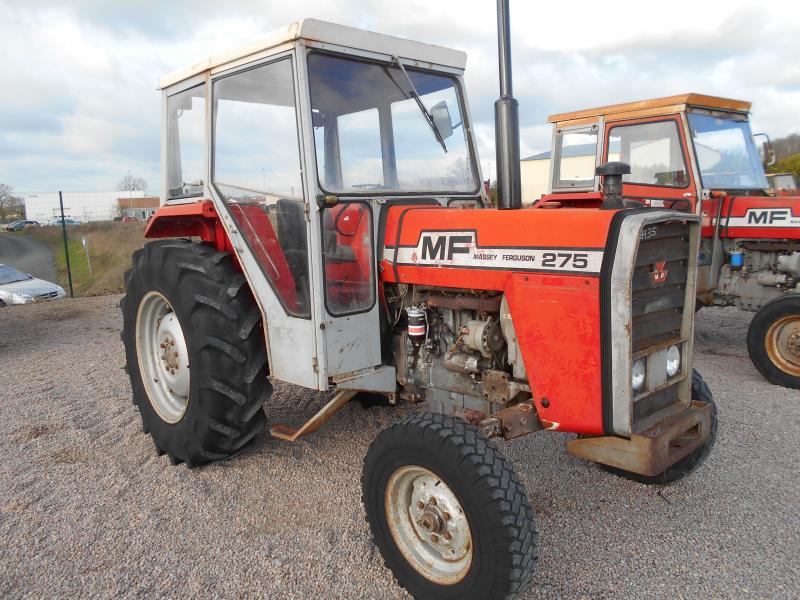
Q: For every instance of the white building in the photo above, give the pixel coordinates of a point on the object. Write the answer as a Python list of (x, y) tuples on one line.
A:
[(81, 206)]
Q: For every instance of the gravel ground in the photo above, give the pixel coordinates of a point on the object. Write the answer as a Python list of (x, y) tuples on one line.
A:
[(88, 510)]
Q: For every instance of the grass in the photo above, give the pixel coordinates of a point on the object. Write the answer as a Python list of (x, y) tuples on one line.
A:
[(110, 246)]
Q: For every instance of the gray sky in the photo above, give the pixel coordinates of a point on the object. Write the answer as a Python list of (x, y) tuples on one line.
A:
[(78, 105)]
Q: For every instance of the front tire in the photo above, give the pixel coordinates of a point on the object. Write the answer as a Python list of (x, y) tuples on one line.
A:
[(773, 341), (687, 465), (447, 511), (195, 351)]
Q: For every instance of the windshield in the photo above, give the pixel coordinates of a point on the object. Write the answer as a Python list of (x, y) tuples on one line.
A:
[(726, 154), (371, 134), (11, 275)]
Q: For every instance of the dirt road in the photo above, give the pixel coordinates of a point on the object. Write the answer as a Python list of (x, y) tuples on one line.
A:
[(88, 510), (26, 253)]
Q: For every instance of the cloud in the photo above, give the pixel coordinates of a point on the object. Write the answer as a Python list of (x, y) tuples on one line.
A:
[(79, 107)]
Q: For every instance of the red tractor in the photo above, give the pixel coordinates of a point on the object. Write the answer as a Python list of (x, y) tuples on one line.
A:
[(324, 224), (696, 154)]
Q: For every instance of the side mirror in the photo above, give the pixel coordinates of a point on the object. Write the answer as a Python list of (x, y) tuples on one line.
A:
[(768, 156), (441, 118)]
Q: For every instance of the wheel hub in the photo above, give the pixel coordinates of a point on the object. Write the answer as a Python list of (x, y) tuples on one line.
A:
[(428, 524), (793, 343), (163, 357), (783, 344)]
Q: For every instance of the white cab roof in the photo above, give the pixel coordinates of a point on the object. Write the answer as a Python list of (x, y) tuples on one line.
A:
[(319, 33)]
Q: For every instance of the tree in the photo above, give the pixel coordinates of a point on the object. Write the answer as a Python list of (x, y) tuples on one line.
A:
[(10, 205), (786, 146), (790, 164), (131, 183)]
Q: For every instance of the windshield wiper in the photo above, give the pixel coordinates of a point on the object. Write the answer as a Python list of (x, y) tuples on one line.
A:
[(422, 109)]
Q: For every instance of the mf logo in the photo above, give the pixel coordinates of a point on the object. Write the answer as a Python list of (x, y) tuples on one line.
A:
[(658, 276), (767, 216), (446, 244)]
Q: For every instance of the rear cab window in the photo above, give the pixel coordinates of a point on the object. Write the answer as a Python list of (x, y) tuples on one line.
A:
[(186, 148)]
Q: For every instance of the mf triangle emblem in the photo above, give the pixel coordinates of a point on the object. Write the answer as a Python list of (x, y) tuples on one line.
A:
[(658, 276)]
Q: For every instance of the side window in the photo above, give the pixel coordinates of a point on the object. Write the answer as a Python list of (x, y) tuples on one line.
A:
[(257, 173), (654, 152), (575, 158), (186, 126), (347, 254)]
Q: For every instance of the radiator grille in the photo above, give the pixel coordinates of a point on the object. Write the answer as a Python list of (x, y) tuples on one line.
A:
[(659, 284)]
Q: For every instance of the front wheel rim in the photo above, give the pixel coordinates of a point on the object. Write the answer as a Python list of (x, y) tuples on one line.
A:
[(163, 357), (428, 525), (783, 344)]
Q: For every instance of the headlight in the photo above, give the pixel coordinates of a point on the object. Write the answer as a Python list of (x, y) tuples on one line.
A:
[(638, 373), (673, 361), (20, 298)]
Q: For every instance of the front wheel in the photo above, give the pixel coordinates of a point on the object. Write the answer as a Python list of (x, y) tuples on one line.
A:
[(447, 511), (773, 341)]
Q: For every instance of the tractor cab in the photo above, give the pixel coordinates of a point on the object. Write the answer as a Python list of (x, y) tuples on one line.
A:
[(297, 140), (678, 148)]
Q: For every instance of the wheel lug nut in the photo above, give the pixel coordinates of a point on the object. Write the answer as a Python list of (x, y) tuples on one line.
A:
[(446, 516), (434, 538), (420, 504), (448, 536), (432, 501)]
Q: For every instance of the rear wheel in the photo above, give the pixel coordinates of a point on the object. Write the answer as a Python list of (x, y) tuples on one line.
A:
[(447, 511), (773, 341), (195, 351), (702, 393)]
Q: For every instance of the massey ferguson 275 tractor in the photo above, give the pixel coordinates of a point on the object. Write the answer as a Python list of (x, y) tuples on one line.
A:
[(329, 180), (696, 154)]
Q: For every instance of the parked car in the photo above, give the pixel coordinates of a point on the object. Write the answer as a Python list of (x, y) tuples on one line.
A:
[(57, 222), (20, 225), (17, 287), (7, 225)]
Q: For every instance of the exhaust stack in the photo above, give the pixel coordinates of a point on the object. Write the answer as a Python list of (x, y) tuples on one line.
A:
[(506, 120)]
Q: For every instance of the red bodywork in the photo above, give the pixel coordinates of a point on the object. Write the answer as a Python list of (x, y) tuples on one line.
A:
[(197, 219), (556, 315), (752, 217)]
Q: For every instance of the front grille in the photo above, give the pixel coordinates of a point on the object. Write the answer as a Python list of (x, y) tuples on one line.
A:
[(47, 295), (657, 300)]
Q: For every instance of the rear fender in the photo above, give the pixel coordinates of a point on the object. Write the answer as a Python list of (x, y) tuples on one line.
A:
[(198, 219)]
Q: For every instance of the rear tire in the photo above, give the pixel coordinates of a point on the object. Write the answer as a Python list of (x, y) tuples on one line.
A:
[(221, 409), (702, 393), (773, 341), (477, 500)]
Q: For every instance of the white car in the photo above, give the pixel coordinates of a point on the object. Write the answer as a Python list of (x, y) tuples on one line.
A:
[(17, 287)]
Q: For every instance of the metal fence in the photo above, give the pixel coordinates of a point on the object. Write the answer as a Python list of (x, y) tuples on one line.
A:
[(56, 244)]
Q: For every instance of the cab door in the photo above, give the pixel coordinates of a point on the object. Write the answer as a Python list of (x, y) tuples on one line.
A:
[(257, 187), (661, 174), (343, 259)]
